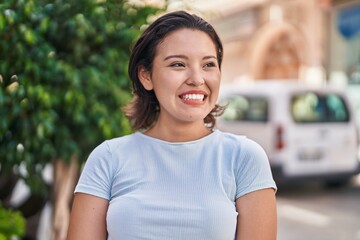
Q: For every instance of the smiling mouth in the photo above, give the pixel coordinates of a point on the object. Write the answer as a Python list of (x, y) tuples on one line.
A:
[(193, 97)]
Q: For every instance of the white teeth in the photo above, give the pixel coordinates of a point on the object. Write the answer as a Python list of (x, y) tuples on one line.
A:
[(193, 97)]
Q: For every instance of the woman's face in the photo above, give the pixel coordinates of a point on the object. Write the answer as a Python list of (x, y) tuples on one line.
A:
[(185, 77)]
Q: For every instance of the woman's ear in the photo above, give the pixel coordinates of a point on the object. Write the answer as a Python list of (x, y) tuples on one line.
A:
[(145, 78)]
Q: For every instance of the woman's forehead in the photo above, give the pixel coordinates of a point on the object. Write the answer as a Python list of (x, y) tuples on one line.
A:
[(186, 40)]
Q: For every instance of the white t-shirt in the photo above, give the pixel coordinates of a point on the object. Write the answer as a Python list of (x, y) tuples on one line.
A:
[(160, 190)]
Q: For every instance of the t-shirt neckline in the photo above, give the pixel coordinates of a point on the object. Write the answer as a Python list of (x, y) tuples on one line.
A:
[(211, 135)]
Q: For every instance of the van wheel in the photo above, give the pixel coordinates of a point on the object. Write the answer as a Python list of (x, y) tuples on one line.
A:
[(337, 183)]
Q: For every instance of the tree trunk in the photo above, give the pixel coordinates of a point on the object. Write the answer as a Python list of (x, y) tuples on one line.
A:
[(65, 179)]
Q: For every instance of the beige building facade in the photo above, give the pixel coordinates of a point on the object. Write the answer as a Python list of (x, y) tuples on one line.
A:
[(286, 39), (273, 39)]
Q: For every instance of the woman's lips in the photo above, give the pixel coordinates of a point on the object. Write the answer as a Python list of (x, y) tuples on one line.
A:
[(193, 97)]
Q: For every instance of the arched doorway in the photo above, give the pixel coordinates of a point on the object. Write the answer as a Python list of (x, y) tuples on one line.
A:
[(278, 52)]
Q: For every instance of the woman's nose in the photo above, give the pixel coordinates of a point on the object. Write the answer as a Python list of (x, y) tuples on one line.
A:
[(195, 78)]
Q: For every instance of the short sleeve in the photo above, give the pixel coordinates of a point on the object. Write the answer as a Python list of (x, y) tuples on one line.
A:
[(253, 172), (96, 176)]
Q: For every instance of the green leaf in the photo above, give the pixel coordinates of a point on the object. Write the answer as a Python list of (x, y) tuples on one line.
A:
[(12, 223)]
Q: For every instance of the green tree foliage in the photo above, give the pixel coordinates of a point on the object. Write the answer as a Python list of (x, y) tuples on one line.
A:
[(63, 78), (12, 224)]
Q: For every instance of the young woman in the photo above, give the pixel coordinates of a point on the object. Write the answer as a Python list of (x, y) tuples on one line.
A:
[(176, 177)]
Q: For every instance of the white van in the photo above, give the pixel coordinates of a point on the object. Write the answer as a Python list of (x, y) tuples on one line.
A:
[(308, 133)]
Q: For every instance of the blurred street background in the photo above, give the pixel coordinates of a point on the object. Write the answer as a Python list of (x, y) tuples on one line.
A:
[(312, 211), (63, 82)]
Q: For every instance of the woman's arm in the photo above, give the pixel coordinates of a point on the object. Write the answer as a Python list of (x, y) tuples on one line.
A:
[(257, 218), (88, 218)]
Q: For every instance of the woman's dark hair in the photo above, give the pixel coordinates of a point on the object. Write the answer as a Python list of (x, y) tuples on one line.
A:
[(144, 107)]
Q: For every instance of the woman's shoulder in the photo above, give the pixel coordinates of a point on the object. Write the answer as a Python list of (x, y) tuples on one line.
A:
[(109, 146), (121, 141), (240, 143), (231, 137), (236, 139)]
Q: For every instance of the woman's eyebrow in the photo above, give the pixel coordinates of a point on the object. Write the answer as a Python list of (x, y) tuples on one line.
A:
[(185, 57), (175, 56), (209, 57)]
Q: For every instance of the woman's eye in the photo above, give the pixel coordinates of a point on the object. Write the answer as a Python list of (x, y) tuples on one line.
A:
[(210, 64), (177, 64)]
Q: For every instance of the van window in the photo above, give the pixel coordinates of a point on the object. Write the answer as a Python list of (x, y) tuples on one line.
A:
[(246, 108), (311, 107)]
